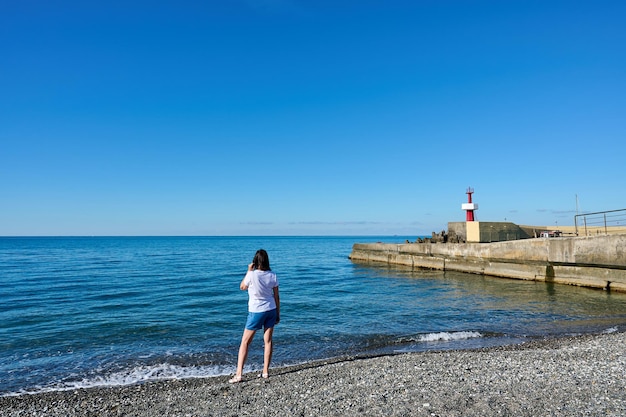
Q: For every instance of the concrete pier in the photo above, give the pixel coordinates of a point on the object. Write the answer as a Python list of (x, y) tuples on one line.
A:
[(591, 261)]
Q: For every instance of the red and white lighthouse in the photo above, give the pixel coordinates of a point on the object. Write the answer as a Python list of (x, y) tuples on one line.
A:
[(469, 207)]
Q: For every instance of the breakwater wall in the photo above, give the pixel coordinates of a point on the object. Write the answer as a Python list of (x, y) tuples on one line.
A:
[(592, 261)]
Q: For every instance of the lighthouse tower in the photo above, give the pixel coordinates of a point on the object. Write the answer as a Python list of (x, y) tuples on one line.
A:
[(469, 207)]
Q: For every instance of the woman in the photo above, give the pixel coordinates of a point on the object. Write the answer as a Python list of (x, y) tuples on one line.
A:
[(263, 310)]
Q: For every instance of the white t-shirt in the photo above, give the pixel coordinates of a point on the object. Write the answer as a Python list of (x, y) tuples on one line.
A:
[(261, 286)]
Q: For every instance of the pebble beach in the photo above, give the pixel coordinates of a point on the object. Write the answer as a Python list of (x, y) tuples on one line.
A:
[(572, 376)]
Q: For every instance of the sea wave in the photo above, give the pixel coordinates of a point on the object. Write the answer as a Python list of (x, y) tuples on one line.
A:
[(440, 337), (610, 330), (448, 336), (136, 375)]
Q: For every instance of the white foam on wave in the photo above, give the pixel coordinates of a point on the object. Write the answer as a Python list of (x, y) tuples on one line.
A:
[(448, 336), (610, 330), (136, 375)]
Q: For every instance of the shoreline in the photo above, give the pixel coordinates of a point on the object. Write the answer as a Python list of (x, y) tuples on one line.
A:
[(565, 376)]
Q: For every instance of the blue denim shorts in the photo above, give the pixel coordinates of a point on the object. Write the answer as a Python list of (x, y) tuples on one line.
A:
[(258, 321)]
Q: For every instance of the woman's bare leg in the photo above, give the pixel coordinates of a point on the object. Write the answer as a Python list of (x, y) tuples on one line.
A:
[(246, 339), (267, 353)]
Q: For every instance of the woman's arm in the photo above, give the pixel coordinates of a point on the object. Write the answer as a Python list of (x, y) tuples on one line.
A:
[(243, 286), (277, 299)]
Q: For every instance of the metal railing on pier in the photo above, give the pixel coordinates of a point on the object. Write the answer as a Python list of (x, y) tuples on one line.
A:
[(601, 222)]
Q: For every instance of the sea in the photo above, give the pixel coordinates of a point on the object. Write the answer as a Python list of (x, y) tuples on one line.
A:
[(79, 312)]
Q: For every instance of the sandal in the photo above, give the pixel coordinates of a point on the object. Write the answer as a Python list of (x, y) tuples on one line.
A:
[(264, 376), (234, 380)]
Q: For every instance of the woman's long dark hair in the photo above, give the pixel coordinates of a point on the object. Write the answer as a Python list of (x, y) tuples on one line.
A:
[(261, 260)]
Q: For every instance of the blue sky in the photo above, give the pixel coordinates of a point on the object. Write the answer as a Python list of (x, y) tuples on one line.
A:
[(290, 117)]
